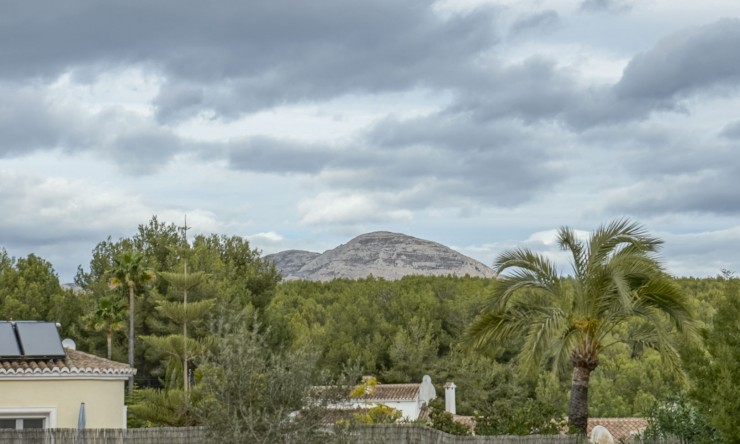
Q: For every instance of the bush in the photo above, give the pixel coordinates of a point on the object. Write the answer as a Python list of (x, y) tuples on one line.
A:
[(443, 421), (257, 395)]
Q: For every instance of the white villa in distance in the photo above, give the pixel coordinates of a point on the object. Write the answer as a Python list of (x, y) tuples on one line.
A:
[(44, 384), (409, 399)]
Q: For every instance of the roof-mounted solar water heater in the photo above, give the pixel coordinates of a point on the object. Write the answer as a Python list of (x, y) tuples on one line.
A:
[(30, 339)]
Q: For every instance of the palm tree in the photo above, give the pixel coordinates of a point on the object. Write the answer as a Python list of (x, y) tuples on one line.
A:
[(571, 319), (129, 271), (108, 317)]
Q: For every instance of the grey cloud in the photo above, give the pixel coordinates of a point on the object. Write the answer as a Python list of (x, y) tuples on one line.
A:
[(532, 90), (536, 22), (144, 151), (75, 210), (652, 149), (240, 56), (266, 154), (709, 191), (479, 159), (731, 131), (440, 160), (538, 90), (702, 253), (684, 63), (30, 122), (606, 5)]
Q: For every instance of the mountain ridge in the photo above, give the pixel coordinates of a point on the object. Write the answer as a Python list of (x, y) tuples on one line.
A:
[(382, 254)]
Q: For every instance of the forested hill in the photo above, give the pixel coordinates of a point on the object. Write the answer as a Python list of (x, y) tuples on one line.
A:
[(381, 254)]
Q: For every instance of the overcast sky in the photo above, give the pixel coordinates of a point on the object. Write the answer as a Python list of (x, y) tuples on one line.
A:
[(482, 125)]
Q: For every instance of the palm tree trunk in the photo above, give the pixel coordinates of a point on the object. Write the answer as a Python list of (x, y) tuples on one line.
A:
[(131, 336), (578, 409)]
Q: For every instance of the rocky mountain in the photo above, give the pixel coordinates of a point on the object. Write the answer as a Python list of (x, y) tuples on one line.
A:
[(382, 254), (290, 262)]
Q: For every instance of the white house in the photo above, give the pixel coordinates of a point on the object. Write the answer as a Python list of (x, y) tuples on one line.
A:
[(409, 399)]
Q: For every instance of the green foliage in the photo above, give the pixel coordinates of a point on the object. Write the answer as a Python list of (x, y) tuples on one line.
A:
[(567, 322), (253, 393), (379, 414), (230, 278), (398, 330), (164, 408), (625, 385), (677, 417), (441, 420), (716, 370), (530, 417), (109, 317)]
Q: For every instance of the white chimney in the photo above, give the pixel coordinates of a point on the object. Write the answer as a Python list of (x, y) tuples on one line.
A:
[(426, 390), (450, 397)]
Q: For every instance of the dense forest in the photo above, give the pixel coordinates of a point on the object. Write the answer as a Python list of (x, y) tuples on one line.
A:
[(397, 331)]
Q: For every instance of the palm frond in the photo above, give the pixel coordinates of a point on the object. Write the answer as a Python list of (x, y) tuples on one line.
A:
[(667, 297), (620, 234), (563, 349), (531, 271), (544, 326), (567, 240)]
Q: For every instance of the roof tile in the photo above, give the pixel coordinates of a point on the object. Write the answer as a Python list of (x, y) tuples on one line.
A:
[(620, 428), (384, 392), (75, 363)]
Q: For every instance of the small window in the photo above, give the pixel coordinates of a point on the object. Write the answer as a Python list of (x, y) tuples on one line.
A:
[(21, 423), (33, 423)]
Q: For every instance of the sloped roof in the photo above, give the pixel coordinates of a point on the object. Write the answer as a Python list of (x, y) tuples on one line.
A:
[(392, 392), (76, 363), (619, 427)]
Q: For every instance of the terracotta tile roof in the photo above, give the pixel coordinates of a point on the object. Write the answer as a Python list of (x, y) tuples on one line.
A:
[(619, 427), (75, 363), (396, 392)]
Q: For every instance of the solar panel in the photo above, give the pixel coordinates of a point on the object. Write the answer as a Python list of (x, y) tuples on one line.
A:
[(8, 344), (39, 339)]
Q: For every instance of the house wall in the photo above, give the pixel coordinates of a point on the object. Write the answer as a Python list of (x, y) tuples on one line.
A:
[(103, 398), (409, 409)]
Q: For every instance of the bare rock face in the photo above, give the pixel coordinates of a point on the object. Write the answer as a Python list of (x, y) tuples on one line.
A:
[(381, 254), (289, 262)]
